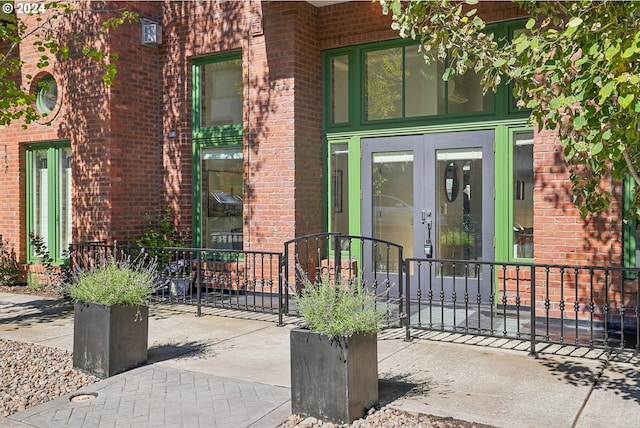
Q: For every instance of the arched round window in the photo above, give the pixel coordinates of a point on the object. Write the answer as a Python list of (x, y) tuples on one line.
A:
[(47, 95)]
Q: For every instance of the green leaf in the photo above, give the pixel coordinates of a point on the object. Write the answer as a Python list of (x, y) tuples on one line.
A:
[(579, 122), (574, 22), (499, 62), (606, 90), (522, 44), (530, 23), (625, 101), (630, 51), (597, 148), (555, 103), (611, 52)]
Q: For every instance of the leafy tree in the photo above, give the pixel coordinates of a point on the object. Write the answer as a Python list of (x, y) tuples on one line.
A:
[(576, 67), (41, 26)]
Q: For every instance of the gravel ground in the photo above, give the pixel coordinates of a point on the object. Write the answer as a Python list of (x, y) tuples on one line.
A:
[(33, 374), (384, 418)]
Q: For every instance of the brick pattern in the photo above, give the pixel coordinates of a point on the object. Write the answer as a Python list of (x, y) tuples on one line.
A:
[(126, 164), (561, 235)]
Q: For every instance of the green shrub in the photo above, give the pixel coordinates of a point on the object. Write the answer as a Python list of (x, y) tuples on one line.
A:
[(339, 309), (55, 275), (115, 281), (9, 272), (33, 281), (165, 234)]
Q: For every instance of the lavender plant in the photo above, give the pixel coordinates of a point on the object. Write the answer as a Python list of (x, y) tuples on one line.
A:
[(339, 308), (115, 281)]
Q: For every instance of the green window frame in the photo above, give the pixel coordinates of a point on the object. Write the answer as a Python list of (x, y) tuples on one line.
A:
[(214, 136), (501, 104), (215, 131), (630, 230), (48, 197), (510, 244)]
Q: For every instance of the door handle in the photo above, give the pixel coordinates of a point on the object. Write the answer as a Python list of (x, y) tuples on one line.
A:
[(425, 213)]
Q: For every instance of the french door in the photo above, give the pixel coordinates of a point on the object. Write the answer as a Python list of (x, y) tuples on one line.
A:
[(433, 194)]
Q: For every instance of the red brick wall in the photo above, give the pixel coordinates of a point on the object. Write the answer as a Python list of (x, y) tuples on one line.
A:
[(125, 164), (561, 235), (283, 144), (13, 139)]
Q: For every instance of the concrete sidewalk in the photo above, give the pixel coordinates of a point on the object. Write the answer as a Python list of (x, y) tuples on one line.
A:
[(224, 371)]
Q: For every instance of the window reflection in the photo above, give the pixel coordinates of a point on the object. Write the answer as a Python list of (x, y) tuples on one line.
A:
[(523, 195), (339, 189), (221, 93), (383, 70), (222, 198)]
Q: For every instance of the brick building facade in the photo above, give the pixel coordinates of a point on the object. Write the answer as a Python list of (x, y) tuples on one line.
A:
[(144, 144)]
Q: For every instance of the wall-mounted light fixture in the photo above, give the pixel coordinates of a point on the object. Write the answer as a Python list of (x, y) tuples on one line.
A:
[(151, 33)]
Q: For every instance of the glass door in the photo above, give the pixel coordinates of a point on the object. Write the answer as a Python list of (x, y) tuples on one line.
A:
[(432, 194)]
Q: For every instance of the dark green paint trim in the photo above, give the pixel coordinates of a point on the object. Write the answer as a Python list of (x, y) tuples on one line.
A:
[(53, 150), (227, 135)]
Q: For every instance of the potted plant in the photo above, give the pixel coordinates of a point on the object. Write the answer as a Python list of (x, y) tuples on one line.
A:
[(334, 356), (111, 314)]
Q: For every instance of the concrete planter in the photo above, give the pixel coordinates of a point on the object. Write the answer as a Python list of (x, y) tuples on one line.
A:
[(108, 340), (333, 380)]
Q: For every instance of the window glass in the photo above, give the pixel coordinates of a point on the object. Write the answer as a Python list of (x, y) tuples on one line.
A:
[(40, 195), (340, 89), (424, 87), (221, 93), (47, 95), (339, 188), (419, 90), (49, 197), (383, 84), (64, 196), (222, 198), (523, 195), (464, 94)]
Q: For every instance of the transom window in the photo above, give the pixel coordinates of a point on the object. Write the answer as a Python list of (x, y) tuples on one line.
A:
[(389, 84), (218, 86), (400, 84)]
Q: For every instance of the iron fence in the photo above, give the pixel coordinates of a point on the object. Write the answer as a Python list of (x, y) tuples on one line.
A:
[(370, 263), (592, 306), (229, 279)]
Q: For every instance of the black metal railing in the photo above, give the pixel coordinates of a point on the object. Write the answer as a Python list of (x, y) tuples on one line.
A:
[(371, 263), (592, 306), (231, 279)]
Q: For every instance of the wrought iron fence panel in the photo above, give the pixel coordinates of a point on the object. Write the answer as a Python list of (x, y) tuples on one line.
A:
[(592, 306), (231, 279), (345, 259)]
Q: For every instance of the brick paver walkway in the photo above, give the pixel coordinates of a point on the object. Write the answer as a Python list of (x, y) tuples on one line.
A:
[(157, 396)]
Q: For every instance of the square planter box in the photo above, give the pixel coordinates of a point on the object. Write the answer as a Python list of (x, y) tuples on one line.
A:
[(108, 340), (333, 380)]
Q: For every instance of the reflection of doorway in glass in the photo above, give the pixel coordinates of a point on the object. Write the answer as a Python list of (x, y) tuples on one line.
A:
[(222, 198)]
